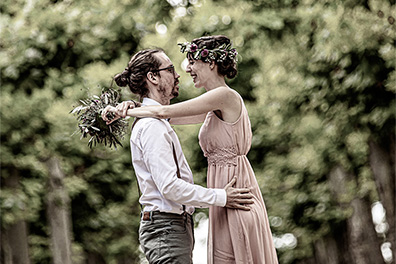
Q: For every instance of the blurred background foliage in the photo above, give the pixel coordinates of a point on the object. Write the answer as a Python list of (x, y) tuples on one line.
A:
[(319, 81)]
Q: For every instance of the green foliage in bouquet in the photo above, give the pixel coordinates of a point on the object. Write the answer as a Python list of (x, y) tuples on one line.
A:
[(90, 122)]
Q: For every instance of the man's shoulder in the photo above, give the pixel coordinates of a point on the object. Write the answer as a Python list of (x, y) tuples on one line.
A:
[(149, 130), (151, 123)]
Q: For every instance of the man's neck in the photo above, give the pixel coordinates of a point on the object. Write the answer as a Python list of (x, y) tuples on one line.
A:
[(162, 101)]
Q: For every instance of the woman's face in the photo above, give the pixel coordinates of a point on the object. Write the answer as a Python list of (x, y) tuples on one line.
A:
[(199, 71)]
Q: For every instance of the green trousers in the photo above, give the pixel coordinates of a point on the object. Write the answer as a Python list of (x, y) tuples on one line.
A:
[(167, 238)]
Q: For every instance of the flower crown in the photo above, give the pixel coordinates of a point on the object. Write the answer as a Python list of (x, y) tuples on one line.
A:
[(218, 54)]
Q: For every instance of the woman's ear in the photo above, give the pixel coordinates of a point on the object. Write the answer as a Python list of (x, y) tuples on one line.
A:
[(152, 78), (212, 65)]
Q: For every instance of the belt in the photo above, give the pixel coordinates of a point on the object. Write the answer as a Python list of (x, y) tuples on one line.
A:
[(148, 215)]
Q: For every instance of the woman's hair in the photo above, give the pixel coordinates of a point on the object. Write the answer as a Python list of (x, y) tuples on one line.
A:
[(134, 75), (226, 67)]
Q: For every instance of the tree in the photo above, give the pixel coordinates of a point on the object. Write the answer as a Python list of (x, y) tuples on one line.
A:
[(319, 79), (53, 54)]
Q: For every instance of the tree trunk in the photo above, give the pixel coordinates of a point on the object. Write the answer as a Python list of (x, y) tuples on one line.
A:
[(326, 250), (14, 240), (384, 173), (124, 260), (94, 258), (14, 244), (58, 212), (362, 243)]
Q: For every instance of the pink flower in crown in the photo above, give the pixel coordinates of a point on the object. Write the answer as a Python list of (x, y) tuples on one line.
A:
[(204, 53), (193, 47)]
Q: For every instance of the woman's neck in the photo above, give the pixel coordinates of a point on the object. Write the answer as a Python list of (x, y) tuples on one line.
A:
[(214, 82)]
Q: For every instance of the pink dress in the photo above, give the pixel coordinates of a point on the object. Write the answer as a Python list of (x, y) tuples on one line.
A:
[(235, 236)]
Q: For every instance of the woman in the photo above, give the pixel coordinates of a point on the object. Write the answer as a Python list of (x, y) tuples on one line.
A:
[(235, 236)]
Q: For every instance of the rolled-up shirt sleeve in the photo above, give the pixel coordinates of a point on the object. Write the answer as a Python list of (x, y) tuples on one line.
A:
[(157, 152)]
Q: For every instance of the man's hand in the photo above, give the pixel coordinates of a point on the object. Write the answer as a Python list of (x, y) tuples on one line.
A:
[(238, 198)]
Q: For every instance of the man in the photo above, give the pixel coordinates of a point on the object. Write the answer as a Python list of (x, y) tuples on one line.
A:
[(165, 179)]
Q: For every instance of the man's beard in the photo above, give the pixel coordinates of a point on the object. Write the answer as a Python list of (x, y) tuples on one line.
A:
[(174, 92)]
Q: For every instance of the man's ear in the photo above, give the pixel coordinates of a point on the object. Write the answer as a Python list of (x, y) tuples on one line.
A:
[(152, 78)]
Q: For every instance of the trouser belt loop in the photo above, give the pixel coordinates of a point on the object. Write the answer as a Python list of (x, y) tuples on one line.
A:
[(151, 216), (185, 216)]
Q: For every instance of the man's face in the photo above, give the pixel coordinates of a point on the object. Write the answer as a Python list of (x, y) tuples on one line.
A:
[(168, 78)]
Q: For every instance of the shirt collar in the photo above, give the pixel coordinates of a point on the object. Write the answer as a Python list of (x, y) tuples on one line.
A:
[(149, 101)]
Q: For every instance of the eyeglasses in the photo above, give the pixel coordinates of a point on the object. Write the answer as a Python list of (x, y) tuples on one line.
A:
[(170, 69)]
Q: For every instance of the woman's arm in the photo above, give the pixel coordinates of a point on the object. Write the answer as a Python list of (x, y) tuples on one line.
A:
[(120, 111), (188, 120), (223, 99)]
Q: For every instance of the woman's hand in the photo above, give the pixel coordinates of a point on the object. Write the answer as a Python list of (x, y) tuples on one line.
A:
[(124, 106), (110, 109), (121, 110)]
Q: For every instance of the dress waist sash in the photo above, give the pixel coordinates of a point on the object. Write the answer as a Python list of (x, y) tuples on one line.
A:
[(223, 156)]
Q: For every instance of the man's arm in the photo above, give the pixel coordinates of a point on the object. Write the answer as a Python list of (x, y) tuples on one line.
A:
[(157, 151), (238, 198)]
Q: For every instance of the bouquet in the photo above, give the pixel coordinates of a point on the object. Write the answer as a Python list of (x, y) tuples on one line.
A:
[(91, 123)]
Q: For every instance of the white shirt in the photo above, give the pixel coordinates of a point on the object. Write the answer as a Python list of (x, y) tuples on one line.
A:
[(155, 168)]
